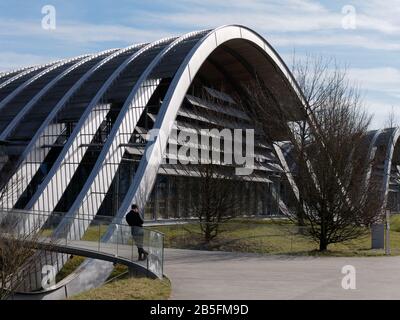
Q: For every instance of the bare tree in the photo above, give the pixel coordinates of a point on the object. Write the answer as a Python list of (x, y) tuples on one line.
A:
[(391, 120), (328, 135), (19, 252), (21, 245), (217, 200), (215, 194)]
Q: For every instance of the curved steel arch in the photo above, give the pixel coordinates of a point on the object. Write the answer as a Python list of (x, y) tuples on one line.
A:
[(8, 75), (101, 175), (370, 156), (391, 144), (28, 68), (25, 71), (41, 134), (145, 176), (20, 88), (374, 141), (10, 127), (140, 95), (80, 135), (98, 118), (381, 172)]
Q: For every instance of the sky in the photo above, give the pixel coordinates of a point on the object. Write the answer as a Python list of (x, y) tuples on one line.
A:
[(362, 35)]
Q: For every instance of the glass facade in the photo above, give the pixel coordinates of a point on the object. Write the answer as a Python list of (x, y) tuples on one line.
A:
[(172, 197)]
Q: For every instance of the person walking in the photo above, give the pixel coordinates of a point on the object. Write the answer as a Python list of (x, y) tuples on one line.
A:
[(135, 221)]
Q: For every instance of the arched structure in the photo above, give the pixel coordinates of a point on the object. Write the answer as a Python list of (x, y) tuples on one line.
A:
[(91, 135), (385, 166), (382, 158)]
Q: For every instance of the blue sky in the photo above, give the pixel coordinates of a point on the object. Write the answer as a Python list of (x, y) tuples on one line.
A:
[(371, 51)]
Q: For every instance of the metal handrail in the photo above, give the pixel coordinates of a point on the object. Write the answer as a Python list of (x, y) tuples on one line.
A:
[(120, 246)]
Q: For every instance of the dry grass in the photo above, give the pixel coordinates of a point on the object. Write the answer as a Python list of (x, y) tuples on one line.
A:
[(122, 287), (271, 237), (129, 289), (70, 266)]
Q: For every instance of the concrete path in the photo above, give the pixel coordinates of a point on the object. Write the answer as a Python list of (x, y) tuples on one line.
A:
[(220, 275)]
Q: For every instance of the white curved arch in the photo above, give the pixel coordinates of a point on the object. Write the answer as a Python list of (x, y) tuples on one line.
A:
[(390, 141), (394, 137), (25, 71), (172, 101), (21, 87), (33, 151), (169, 108), (68, 160), (370, 157), (111, 154), (16, 77), (36, 202), (12, 73), (30, 68), (147, 171), (10, 127)]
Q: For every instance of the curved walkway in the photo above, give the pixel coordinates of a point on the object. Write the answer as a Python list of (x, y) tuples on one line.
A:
[(123, 254), (198, 275)]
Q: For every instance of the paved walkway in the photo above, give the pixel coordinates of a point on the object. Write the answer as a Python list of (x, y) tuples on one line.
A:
[(220, 275)]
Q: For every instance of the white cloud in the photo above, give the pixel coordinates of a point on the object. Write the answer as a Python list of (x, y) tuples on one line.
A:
[(283, 16), (347, 40), (288, 22), (379, 15), (280, 16), (80, 32), (385, 80), (380, 112), (382, 91)]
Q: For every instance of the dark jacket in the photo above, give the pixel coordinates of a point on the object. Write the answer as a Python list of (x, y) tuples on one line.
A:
[(134, 219)]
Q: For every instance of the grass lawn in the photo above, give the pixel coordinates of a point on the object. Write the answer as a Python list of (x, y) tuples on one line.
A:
[(74, 262), (70, 266), (259, 236), (93, 233), (129, 289), (241, 235), (255, 235), (271, 237), (122, 287)]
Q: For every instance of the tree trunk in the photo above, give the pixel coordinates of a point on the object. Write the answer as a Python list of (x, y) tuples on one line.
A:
[(207, 233), (323, 245), (323, 241), (300, 214)]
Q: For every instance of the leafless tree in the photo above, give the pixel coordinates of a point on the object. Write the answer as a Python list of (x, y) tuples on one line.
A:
[(328, 134), (19, 252), (217, 200), (391, 120), (21, 245), (215, 194)]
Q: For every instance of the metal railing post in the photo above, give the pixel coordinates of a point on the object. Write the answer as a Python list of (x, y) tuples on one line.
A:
[(132, 251), (147, 264), (291, 241), (387, 247), (117, 240), (162, 257), (99, 238)]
